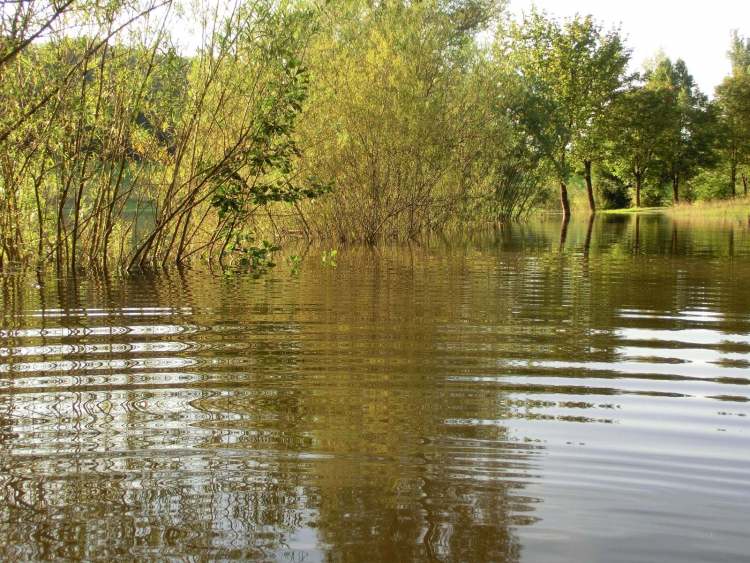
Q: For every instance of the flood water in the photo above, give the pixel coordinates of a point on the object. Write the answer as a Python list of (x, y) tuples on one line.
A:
[(500, 397)]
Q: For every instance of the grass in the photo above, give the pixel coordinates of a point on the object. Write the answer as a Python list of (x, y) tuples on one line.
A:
[(630, 210), (733, 209)]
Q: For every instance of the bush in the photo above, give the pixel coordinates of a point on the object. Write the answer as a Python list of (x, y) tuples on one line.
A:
[(612, 191), (711, 184)]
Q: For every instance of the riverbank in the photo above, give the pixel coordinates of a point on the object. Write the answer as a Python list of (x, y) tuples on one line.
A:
[(733, 209)]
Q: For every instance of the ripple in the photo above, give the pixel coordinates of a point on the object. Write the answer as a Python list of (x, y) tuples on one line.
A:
[(497, 402)]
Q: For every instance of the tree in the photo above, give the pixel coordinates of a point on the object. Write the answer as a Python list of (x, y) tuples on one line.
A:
[(639, 124), (571, 74), (688, 143), (733, 101), (394, 118), (115, 146)]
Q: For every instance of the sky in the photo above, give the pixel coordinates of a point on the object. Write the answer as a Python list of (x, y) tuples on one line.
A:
[(697, 32)]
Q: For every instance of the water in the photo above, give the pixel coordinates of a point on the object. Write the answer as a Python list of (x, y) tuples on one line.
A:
[(502, 398)]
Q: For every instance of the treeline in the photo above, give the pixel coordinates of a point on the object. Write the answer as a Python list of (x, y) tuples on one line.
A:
[(347, 120)]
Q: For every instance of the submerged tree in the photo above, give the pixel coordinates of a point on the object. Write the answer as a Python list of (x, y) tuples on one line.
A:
[(395, 120), (119, 149)]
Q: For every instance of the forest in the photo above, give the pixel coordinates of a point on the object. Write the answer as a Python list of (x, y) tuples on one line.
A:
[(124, 149)]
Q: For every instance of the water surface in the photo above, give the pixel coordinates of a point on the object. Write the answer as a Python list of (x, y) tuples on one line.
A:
[(523, 394)]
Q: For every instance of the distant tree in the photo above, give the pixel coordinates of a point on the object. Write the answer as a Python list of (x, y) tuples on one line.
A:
[(571, 73), (739, 54), (639, 127), (689, 139), (733, 101)]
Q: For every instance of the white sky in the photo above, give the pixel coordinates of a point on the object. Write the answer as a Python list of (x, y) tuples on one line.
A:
[(697, 32)]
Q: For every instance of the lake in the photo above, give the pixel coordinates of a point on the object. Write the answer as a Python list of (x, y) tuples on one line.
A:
[(519, 394)]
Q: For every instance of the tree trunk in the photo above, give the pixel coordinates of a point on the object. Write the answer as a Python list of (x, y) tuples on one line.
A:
[(733, 178), (638, 190), (589, 185), (676, 188), (564, 200), (744, 183)]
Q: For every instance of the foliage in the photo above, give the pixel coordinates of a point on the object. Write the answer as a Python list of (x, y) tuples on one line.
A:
[(394, 116), (689, 138), (733, 100), (111, 135), (295, 264), (347, 120), (328, 258), (570, 74), (256, 258), (613, 193), (640, 116)]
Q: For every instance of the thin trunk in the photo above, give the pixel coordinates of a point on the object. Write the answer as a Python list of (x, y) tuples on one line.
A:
[(676, 188), (589, 185), (304, 221), (564, 200), (744, 183), (733, 178), (39, 213), (61, 235), (638, 190), (183, 237)]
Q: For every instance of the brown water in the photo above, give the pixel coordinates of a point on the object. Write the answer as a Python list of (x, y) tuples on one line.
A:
[(502, 399)]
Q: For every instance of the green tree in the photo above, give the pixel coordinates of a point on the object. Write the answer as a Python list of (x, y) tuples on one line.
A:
[(115, 146), (690, 135), (394, 119), (571, 73), (638, 126), (733, 101)]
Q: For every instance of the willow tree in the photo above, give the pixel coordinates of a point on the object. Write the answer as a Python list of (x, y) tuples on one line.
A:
[(570, 72), (114, 147), (22, 23), (234, 151), (392, 118), (48, 100)]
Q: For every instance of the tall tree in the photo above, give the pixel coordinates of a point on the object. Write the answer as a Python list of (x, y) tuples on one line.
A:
[(690, 123), (733, 100), (639, 127), (393, 117), (571, 72)]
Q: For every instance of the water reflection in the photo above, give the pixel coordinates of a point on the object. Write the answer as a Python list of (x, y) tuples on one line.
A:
[(532, 392)]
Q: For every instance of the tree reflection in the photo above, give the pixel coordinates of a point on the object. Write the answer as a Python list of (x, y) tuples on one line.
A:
[(358, 413)]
